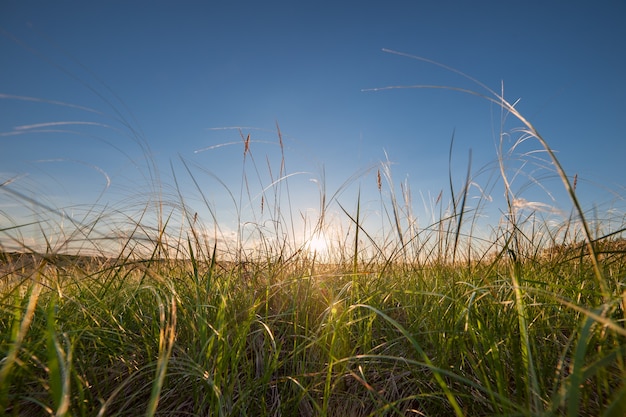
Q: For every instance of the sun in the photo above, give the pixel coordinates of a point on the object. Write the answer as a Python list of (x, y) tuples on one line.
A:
[(318, 245)]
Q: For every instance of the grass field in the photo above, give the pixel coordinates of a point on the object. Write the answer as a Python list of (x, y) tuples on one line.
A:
[(525, 320)]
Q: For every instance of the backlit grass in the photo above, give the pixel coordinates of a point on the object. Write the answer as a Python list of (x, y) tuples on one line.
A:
[(194, 338), (525, 318)]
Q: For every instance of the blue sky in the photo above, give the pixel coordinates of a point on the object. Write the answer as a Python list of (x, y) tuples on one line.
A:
[(167, 78)]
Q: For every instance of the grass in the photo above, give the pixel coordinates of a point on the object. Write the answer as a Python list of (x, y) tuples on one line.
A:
[(526, 320), (191, 338)]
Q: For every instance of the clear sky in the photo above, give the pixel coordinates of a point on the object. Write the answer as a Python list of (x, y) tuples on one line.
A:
[(161, 81)]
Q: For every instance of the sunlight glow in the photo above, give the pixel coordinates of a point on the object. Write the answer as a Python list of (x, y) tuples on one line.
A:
[(318, 245)]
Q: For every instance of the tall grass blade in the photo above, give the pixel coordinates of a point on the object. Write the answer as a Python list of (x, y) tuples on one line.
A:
[(55, 379), (58, 365), (167, 335), (20, 326), (575, 379), (461, 212), (355, 255), (532, 383)]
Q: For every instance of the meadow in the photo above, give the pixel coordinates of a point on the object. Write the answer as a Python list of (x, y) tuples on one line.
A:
[(435, 320)]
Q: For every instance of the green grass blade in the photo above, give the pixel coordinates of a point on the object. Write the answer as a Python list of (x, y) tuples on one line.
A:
[(575, 379), (18, 333), (55, 378), (167, 335), (532, 383)]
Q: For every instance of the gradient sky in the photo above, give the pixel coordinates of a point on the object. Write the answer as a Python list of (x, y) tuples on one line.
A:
[(168, 78)]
